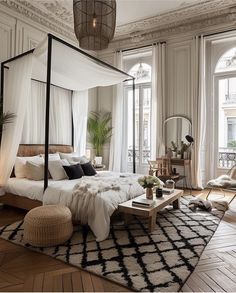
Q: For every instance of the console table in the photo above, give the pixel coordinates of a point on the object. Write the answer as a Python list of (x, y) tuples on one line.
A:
[(184, 163)]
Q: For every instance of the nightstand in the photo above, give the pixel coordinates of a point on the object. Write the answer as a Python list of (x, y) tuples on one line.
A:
[(99, 167)]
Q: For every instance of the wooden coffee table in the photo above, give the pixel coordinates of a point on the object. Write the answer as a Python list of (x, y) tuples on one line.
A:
[(150, 213)]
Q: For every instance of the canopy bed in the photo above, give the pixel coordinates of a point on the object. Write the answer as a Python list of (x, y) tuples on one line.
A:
[(57, 63)]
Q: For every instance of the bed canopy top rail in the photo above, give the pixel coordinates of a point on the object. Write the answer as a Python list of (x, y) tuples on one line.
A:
[(48, 64)]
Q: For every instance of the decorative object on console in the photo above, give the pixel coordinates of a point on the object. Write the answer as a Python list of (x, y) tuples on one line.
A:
[(174, 149), (148, 182), (100, 132), (94, 23)]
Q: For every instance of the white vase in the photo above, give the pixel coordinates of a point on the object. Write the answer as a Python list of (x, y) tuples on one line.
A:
[(178, 156), (98, 160), (185, 155), (174, 154)]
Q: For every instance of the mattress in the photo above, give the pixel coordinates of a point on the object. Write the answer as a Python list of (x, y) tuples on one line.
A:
[(25, 187)]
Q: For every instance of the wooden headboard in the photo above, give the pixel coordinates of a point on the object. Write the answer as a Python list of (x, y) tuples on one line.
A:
[(28, 150)]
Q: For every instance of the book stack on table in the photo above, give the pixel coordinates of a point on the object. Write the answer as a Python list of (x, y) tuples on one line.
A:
[(143, 202)]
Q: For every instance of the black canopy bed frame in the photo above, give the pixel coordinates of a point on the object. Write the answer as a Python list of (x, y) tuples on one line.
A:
[(24, 202)]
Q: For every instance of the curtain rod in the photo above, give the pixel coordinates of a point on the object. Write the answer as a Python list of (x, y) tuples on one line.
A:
[(51, 84), (145, 46), (88, 55), (18, 56)]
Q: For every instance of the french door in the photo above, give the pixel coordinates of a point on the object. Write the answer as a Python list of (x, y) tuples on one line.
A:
[(142, 126), (225, 133)]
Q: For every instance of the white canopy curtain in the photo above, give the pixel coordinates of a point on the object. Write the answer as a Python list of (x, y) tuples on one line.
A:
[(16, 96), (118, 158), (60, 129), (158, 99), (80, 115), (199, 122), (77, 72)]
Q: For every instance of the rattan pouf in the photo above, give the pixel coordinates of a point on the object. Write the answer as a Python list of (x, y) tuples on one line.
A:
[(48, 225)]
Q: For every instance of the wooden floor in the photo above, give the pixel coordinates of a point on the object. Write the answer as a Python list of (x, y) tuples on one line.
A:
[(24, 270)]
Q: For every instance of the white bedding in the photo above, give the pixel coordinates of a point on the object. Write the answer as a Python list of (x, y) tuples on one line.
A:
[(25, 187), (62, 192), (105, 203)]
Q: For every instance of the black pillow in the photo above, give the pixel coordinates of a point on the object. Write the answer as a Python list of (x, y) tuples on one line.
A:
[(74, 171), (88, 169)]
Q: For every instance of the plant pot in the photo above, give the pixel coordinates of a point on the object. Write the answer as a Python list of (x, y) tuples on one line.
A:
[(174, 154), (149, 193), (98, 160), (185, 155), (179, 156)]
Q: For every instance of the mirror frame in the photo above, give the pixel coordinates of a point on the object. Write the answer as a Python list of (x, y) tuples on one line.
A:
[(170, 118)]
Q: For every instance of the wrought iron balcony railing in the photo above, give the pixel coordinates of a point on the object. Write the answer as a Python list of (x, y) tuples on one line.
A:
[(227, 157), (146, 155)]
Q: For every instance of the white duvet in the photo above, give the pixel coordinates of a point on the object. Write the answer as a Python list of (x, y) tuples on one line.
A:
[(92, 200)]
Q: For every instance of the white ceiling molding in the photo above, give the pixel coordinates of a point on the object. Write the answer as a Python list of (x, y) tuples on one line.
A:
[(57, 16), (27, 9), (176, 17), (223, 19)]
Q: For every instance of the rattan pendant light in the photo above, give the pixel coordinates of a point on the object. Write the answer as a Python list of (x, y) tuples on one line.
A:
[(94, 23)]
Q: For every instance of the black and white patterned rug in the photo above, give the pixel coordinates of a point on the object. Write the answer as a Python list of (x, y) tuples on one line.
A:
[(160, 261)]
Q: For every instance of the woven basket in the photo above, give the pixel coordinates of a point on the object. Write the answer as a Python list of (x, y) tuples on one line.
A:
[(48, 226)]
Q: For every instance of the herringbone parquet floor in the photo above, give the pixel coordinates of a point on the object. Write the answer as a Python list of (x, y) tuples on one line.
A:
[(24, 270)]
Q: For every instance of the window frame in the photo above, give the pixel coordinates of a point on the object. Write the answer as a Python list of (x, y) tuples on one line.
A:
[(140, 87), (217, 76)]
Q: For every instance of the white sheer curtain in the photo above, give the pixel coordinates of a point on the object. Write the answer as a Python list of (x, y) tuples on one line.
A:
[(158, 99), (80, 116), (60, 130), (199, 122), (34, 124), (16, 96), (118, 158)]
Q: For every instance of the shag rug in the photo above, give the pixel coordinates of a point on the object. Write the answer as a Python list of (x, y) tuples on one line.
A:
[(142, 261)]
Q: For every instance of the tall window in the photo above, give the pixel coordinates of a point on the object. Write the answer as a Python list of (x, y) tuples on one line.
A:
[(142, 74), (225, 77)]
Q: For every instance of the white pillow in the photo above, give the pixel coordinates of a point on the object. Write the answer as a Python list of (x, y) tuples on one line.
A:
[(34, 171), (76, 160), (66, 155), (20, 171), (56, 170), (53, 157)]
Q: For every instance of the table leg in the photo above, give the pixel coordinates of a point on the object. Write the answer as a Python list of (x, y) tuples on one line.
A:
[(152, 222), (176, 204)]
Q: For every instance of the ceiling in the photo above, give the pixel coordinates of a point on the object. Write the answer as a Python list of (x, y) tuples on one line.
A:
[(128, 11), (133, 10)]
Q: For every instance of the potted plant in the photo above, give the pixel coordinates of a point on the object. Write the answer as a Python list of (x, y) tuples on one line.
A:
[(174, 149), (100, 132), (183, 150), (148, 182), (5, 118)]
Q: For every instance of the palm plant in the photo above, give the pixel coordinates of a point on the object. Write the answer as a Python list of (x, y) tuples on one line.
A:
[(99, 130), (5, 118)]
